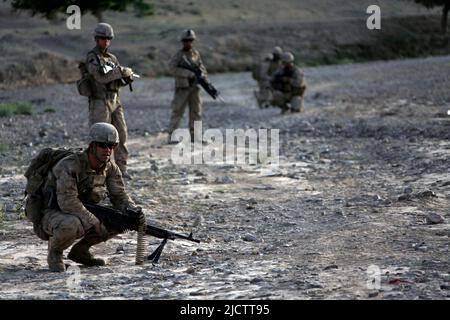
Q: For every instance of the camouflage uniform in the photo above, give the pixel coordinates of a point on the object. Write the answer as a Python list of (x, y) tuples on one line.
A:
[(260, 74), (186, 90), (266, 69), (104, 104), (74, 182), (288, 87)]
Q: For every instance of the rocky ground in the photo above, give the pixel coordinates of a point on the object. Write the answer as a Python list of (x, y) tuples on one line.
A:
[(356, 209), (232, 35)]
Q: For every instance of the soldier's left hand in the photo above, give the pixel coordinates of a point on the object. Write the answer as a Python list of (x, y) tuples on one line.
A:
[(126, 72), (128, 79)]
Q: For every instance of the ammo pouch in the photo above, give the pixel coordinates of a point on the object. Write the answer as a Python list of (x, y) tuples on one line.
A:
[(34, 208), (34, 212), (34, 201)]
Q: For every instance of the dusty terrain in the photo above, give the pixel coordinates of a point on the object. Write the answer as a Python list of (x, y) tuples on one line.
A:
[(360, 170), (231, 35)]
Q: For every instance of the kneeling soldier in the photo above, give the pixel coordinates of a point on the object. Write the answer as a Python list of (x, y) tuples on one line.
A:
[(84, 177), (288, 85)]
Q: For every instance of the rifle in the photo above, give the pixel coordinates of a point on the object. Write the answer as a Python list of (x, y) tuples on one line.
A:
[(118, 222), (129, 80), (109, 66), (200, 78)]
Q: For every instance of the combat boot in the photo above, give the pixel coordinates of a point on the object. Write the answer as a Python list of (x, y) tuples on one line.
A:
[(80, 254), (55, 261)]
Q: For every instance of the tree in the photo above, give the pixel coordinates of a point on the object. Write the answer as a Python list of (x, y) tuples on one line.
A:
[(445, 10), (50, 8)]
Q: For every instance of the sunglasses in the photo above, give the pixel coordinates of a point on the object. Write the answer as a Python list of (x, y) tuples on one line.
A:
[(104, 145), (105, 38)]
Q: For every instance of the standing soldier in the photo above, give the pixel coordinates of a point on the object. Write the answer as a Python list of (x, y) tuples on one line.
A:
[(276, 61), (266, 71), (186, 88), (288, 85), (259, 73), (108, 76)]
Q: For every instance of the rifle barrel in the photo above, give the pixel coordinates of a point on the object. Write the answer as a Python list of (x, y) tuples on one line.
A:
[(166, 234)]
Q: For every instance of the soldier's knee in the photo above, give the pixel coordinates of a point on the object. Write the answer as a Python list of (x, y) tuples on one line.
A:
[(69, 227)]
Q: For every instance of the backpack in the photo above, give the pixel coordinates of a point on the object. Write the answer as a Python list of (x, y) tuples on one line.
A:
[(36, 175), (84, 85)]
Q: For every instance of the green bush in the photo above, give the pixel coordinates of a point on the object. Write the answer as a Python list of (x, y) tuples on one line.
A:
[(8, 109), (24, 108), (49, 110)]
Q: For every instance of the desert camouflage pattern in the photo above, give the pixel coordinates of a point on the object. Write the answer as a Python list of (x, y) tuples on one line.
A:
[(75, 182), (186, 92), (288, 90), (105, 105)]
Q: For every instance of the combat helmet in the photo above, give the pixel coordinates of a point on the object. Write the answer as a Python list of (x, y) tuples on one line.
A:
[(103, 132), (104, 30), (287, 57), (188, 34), (277, 51)]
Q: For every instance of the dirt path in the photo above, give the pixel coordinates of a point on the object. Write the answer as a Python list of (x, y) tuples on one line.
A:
[(359, 173)]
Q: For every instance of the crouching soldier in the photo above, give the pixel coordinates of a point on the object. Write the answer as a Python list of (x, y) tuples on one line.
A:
[(288, 85), (82, 177)]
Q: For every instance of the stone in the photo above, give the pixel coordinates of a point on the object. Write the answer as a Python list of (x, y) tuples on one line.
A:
[(434, 218), (332, 266), (120, 249), (426, 194), (256, 280), (225, 180), (408, 190), (249, 237)]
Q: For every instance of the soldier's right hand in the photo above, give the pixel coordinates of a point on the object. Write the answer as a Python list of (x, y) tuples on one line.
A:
[(126, 72)]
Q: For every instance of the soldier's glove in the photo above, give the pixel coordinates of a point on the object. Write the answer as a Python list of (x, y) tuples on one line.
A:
[(126, 72), (140, 216)]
